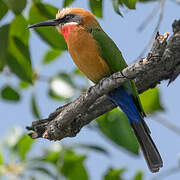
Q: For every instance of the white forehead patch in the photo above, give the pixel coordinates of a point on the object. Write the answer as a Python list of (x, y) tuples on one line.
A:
[(62, 12)]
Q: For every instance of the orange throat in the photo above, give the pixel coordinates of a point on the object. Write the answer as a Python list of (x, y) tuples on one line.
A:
[(66, 30)]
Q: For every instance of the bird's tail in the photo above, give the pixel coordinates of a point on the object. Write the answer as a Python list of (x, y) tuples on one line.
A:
[(125, 101)]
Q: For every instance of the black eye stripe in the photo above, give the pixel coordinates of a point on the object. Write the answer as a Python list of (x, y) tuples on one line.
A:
[(69, 16)]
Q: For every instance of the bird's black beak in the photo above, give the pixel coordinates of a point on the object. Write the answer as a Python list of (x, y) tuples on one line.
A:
[(53, 22)]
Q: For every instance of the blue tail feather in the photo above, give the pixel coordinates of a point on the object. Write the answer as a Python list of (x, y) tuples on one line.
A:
[(125, 101)]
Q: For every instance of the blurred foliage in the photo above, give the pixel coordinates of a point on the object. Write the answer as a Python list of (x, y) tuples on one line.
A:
[(67, 2), (114, 174), (138, 176), (34, 107), (116, 126), (10, 94), (61, 159), (57, 161), (151, 101), (73, 166), (96, 7), (51, 55), (15, 61), (16, 6), (61, 87), (3, 9)]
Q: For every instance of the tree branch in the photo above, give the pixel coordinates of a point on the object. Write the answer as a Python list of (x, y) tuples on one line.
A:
[(162, 62)]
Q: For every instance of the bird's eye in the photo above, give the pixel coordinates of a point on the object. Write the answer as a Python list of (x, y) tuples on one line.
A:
[(69, 16)]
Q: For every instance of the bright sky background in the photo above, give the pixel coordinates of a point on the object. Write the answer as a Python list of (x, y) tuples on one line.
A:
[(124, 32)]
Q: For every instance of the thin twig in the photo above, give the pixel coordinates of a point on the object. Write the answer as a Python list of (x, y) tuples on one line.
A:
[(176, 1), (162, 2), (167, 124), (148, 19)]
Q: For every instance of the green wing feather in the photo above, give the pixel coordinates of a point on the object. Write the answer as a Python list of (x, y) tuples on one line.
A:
[(112, 55), (109, 51)]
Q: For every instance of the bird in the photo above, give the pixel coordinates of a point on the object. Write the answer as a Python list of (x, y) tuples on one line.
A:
[(97, 56)]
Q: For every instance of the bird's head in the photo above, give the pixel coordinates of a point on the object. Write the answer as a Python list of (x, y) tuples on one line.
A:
[(70, 17)]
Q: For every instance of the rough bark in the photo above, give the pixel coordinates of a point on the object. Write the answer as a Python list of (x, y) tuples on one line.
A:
[(161, 63)]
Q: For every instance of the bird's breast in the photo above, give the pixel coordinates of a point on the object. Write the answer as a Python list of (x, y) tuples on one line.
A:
[(85, 53)]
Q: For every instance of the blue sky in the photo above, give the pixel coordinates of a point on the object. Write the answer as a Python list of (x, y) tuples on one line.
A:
[(124, 32)]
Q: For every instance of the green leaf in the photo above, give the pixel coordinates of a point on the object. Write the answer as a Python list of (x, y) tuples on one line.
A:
[(151, 101), (1, 65), (96, 7), (41, 12), (131, 4), (43, 170), (92, 147), (4, 31), (19, 59), (115, 4), (73, 167), (61, 87), (18, 29), (14, 49), (78, 72), (51, 55), (3, 9), (34, 107), (37, 1), (55, 96), (146, 1), (24, 84), (24, 145), (138, 175), (114, 174), (51, 157), (115, 126), (67, 2), (10, 94), (16, 6), (1, 158)]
